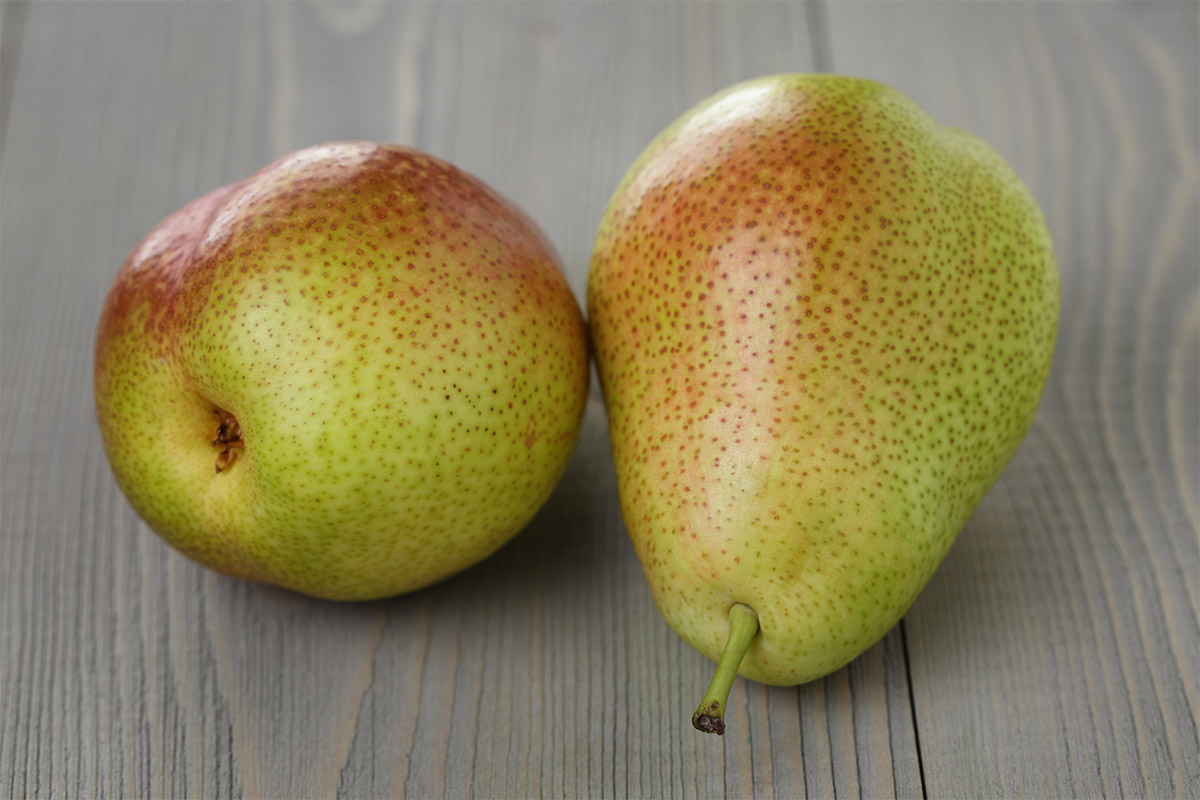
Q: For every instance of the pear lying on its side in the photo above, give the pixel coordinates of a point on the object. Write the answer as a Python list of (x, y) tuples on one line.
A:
[(823, 323), (352, 374)]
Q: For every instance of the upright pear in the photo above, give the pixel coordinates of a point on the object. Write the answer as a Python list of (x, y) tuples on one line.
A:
[(823, 322)]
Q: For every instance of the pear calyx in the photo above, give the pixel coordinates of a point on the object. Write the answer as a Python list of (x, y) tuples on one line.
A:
[(743, 626), (228, 439)]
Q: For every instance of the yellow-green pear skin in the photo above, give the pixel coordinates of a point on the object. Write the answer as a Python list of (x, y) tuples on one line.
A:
[(353, 374), (823, 322)]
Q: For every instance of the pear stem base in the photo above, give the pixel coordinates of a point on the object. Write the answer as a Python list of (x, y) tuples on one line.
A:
[(743, 626)]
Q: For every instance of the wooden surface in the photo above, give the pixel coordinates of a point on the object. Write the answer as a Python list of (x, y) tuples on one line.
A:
[(1055, 653)]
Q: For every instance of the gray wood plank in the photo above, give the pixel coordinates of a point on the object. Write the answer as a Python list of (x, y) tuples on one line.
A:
[(1054, 654), (107, 680), (12, 25)]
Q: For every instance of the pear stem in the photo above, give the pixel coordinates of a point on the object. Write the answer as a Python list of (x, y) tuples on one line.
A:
[(743, 625)]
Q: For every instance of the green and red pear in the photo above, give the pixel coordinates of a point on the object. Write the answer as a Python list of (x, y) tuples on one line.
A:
[(822, 322), (353, 374)]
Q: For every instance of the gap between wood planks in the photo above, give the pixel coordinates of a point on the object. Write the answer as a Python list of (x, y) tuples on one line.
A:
[(912, 706)]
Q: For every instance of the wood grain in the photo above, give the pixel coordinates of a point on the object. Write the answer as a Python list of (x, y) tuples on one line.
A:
[(1056, 652)]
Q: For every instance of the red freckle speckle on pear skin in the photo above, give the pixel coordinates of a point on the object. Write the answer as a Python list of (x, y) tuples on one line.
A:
[(290, 378), (822, 324)]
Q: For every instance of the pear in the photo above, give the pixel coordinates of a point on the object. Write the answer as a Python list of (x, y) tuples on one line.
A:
[(822, 323), (353, 374)]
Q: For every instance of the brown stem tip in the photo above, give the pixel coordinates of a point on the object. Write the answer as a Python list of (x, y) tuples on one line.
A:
[(709, 719)]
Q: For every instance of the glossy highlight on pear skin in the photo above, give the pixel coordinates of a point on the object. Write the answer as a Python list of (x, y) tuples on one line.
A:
[(822, 322), (353, 374)]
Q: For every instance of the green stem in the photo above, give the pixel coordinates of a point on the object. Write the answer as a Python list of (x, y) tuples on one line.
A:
[(743, 625)]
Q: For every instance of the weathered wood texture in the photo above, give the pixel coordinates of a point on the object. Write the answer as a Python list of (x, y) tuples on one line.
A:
[(1056, 653)]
